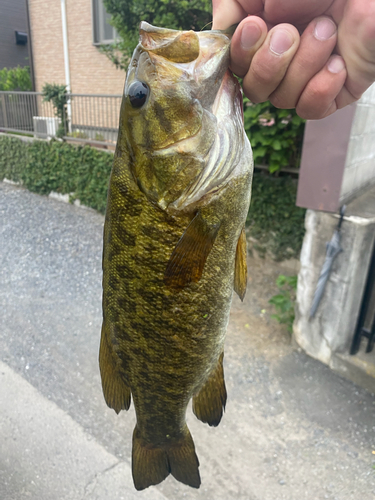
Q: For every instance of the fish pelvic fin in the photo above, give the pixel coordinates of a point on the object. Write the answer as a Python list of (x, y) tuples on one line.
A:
[(116, 393), (188, 258), (240, 268), (209, 403), (152, 464)]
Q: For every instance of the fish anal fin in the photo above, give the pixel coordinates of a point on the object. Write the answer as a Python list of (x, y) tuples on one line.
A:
[(240, 267), (209, 403), (189, 256), (152, 464), (116, 393)]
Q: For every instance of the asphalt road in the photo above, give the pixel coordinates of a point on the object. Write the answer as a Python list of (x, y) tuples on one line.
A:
[(292, 428)]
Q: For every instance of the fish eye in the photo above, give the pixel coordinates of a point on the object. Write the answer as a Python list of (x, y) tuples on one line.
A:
[(138, 92)]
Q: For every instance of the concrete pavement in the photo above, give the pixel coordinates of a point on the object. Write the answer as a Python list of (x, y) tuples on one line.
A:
[(292, 428)]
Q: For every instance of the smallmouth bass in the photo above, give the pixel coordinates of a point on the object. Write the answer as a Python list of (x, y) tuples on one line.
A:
[(174, 244)]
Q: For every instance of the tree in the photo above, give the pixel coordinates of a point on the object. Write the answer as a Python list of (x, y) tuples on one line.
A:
[(173, 14)]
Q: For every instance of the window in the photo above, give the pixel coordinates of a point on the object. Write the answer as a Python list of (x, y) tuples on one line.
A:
[(103, 32)]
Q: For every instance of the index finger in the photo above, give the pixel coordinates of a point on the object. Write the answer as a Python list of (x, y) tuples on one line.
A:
[(225, 13)]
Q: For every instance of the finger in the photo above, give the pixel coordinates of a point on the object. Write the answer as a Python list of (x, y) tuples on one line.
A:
[(225, 13), (270, 62), (319, 98), (316, 46), (247, 39), (356, 44), (292, 11)]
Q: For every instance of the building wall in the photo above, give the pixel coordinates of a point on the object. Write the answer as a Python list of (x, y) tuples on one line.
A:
[(359, 170), (328, 335), (90, 71), (12, 18), (47, 42)]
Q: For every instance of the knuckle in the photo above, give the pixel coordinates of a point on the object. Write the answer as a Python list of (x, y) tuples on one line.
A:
[(311, 105), (261, 75), (308, 114), (283, 101), (317, 95), (254, 96)]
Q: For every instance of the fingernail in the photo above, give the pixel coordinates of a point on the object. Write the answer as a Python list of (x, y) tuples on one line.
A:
[(336, 64), (281, 41), (324, 29), (250, 34)]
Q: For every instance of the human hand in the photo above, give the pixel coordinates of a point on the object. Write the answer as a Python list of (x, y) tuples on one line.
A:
[(325, 68)]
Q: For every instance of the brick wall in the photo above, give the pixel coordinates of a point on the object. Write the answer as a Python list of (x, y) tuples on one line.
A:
[(47, 42), (90, 71), (360, 161)]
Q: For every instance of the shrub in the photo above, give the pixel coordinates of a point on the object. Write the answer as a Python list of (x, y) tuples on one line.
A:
[(57, 94), (43, 167), (275, 134), (15, 79), (13, 158), (284, 301), (274, 221)]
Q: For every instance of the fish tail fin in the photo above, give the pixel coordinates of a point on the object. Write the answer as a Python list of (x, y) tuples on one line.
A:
[(149, 464), (152, 464), (209, 403), (183, 461)]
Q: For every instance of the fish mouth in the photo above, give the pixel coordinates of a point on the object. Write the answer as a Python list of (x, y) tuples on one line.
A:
[(202, 56), (212, 81)]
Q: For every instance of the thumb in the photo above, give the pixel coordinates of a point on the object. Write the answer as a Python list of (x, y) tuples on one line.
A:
[(225, 13), (356, 44)]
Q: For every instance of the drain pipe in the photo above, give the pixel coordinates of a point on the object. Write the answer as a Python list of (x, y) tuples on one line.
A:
[(66, 61)]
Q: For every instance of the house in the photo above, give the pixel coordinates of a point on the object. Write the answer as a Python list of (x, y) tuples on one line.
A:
[(14, 46), (65, 37)]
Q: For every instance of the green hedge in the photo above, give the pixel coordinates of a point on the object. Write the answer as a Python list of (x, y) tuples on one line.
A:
[(43, 167), (274, 220), (275, 135)]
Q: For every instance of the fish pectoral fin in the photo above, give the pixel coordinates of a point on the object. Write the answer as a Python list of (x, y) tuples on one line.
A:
[(240, 267), (188, 258), (152, 464), (209, 403), (117, 394)]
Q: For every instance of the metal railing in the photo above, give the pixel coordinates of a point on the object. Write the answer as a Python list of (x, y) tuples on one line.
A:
[(90, 118)]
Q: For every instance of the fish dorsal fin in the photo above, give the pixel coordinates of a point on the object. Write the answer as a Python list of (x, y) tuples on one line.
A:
[(190, 254), (240, 269)]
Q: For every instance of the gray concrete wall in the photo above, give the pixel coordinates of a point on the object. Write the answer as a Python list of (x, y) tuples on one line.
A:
[(332, 329), (360, 161)]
